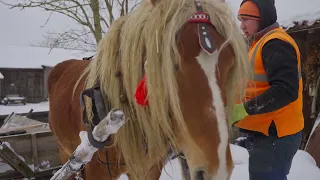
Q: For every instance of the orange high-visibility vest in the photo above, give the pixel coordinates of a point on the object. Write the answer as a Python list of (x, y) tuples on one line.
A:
[(289, 119)]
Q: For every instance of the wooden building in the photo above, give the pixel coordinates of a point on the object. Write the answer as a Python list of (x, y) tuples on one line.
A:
[(306, 34), (25, 69), (1, 85), (30, 83)]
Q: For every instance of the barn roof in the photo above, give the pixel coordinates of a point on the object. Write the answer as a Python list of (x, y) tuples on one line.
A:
[(29, 57), (303, 21), (292, 14)]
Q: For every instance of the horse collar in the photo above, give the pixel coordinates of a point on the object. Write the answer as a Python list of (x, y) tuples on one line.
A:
[(203, 19)]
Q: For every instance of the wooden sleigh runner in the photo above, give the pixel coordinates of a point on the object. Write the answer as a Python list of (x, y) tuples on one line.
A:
[(31, 151)]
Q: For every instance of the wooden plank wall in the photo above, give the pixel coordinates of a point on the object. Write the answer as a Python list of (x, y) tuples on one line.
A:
[(46, 72), (305, 40), (1, 88), (26, 82), (35, 148)]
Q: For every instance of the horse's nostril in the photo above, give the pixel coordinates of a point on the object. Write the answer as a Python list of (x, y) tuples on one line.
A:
[(200, 175)]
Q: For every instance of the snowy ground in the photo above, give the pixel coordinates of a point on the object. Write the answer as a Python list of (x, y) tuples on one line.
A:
[(18, 108), (303, 167)]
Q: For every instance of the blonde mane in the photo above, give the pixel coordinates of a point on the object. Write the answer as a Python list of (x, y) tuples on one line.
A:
[(150, 34)]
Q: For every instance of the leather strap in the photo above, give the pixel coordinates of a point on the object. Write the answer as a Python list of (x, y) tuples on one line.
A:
[(99, 112), (206, 40)]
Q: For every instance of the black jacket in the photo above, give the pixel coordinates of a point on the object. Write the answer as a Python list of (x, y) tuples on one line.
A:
[(280, 64)]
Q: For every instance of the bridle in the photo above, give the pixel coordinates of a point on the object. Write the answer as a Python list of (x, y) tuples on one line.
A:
[(206, 41), (100, 109)]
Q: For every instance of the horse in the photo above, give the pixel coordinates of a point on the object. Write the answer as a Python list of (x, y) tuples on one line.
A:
[(194, 58)]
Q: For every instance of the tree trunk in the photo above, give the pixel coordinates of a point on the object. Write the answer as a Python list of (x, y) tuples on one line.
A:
[(96, 20)]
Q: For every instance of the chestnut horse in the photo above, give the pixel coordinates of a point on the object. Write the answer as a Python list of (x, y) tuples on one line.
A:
[(196, 60)]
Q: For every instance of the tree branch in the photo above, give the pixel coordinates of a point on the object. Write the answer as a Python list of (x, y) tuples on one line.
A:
[(110, 9), (94, 16)]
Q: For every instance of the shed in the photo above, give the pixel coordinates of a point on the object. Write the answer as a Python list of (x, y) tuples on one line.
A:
[(26, 68)]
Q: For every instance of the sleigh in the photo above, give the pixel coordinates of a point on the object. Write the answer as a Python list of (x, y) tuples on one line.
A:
[(28, 149)]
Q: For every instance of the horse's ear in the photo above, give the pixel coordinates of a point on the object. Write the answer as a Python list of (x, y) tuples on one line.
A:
[(154, 2)]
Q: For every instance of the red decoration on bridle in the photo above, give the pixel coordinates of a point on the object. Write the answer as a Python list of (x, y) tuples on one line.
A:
[(200, 17), (205, 40)]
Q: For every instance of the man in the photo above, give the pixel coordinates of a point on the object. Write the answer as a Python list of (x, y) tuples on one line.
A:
[(271, 113)]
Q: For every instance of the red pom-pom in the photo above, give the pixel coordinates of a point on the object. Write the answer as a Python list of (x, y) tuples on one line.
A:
[(141, 93)]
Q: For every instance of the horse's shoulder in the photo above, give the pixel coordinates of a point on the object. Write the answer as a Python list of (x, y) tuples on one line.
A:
[(68, 63), (66, 70)]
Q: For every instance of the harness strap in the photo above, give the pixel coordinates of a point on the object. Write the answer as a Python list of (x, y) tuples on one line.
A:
[(206, 40), (99, 112)]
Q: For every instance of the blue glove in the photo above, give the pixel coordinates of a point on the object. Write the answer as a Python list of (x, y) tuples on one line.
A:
[(238, 113)]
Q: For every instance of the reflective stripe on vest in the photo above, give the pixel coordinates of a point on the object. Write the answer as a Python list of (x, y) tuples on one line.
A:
[(264, 77)]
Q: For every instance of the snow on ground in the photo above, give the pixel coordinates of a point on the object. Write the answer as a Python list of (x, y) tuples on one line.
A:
[(303, 167), (18, 108)]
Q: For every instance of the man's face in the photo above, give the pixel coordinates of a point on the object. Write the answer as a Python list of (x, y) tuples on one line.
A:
[(249, 26)]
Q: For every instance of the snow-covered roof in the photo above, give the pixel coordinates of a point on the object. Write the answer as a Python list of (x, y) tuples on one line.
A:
[(291, 13), (15, 56), (307, 19)]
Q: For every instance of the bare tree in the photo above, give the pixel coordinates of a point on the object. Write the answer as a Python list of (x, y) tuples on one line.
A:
[(93, 16)]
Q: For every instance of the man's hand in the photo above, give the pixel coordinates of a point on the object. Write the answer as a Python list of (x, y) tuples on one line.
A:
[(238, 113)]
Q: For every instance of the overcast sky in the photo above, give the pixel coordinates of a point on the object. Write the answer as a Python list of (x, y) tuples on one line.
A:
[(24, 27)]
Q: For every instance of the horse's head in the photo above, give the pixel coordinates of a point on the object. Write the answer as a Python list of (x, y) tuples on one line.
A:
[(199, 45), (195, 58)]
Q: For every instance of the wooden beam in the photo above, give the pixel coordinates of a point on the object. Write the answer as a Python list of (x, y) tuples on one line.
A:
[(14, 161), (46, 174), (34, 149), (304, 28), (314, 100)]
